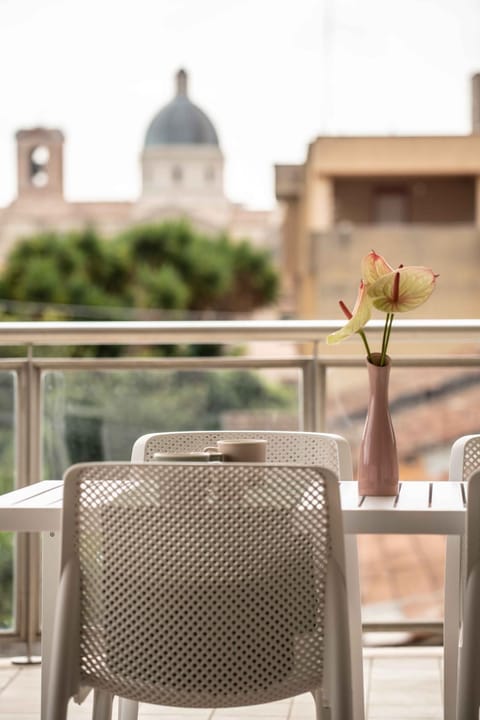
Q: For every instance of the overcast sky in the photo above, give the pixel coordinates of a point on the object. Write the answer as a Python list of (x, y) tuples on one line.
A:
[(271, 75)]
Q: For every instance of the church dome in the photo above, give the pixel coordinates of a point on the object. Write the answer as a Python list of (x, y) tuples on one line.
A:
[(181, 122)]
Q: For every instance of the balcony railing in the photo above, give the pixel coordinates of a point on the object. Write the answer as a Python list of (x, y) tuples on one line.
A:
[(57, 409)]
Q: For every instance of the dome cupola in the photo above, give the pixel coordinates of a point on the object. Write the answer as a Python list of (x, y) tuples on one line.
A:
[(182, 164), (181, 122)]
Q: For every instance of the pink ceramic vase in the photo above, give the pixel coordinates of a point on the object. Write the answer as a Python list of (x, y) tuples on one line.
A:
[(378, 462)]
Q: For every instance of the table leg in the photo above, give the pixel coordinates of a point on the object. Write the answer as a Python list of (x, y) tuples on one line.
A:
[(451, 625), (51, 547), (355, 621)]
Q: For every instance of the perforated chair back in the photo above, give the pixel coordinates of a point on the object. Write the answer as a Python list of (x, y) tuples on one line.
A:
[(201, 585), (464, 457), (468, 692), (310, 448), (464, 460), (326, 449)]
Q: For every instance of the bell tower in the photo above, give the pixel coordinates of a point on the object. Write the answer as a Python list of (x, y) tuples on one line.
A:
[(40, 164)]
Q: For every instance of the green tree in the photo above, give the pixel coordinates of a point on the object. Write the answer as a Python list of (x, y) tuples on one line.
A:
[(76, 268), (169, 266), (176, 267)]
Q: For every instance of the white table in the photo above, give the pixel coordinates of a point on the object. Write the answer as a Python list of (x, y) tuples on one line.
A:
[(420, 508)]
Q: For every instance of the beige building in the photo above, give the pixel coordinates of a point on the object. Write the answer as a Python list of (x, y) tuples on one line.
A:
[(415, 200), (181, 167)]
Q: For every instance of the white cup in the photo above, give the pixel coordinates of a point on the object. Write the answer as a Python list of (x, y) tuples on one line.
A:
[(254, 450)]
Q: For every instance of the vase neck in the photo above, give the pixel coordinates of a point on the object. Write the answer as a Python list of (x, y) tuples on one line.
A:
[(378, 376)]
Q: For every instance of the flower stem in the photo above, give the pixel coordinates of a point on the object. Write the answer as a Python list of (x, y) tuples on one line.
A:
[(386, 336), (365, 342)]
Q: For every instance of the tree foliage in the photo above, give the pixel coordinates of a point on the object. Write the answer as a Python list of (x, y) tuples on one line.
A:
[(163, 267)]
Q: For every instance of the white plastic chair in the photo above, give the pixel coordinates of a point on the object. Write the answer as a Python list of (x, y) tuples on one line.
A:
[(464, 457), (326, 449), (468, 691), (201, 585), (464, 460), (311, 448)]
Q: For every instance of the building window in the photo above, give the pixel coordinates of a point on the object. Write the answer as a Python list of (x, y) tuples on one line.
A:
[(177, 174), (39, 158), (390, 206)]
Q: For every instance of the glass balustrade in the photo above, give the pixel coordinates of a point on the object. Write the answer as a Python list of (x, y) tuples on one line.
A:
[(57, 409)]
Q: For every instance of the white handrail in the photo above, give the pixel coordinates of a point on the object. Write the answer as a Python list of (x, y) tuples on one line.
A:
[(208, 331)]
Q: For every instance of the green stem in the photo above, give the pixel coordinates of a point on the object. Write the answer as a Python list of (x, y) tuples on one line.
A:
[(386, 336), (389, 331), (365, 342)]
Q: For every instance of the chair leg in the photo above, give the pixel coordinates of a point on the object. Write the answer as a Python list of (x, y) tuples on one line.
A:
[(355, 621), (468, 695), (322, 712), (451, 627), (127, 709), (102, 705)]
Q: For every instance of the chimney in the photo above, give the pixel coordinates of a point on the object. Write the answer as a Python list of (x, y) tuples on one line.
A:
[(476, 104)]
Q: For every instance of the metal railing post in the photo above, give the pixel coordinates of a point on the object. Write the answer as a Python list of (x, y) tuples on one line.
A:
[(321, 410), (309, 395), (28, 458), (314, 387)]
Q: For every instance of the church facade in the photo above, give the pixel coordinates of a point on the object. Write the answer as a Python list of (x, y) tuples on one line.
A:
[(182, 177)]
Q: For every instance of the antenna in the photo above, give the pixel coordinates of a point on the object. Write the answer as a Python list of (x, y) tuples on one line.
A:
[(327, 42)]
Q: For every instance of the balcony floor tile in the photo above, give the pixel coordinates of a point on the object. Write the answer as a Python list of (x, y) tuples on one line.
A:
[(400, 684)]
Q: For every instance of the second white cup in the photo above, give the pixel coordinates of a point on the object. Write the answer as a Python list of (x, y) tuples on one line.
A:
[(254, 450)]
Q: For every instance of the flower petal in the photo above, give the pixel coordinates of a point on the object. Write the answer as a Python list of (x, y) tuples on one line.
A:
[(415, 285), (374, 266), (360, 316)]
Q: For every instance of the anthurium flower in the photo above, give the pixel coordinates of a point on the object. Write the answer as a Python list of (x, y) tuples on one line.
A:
[(402, 290), (388, 290), (373, 267), (361, 314)]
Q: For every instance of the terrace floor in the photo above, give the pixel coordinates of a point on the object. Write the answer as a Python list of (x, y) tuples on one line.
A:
[(402, 683)]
